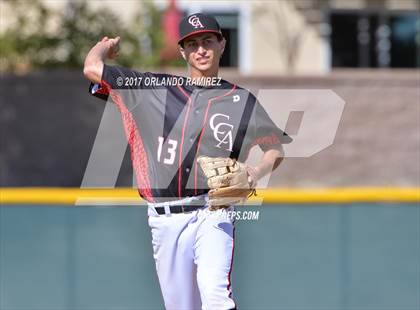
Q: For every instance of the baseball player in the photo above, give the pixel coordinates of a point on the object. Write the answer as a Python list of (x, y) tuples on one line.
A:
[(189, 139)]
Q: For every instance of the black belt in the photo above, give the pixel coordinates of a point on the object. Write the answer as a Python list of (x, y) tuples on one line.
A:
[(179, 209)]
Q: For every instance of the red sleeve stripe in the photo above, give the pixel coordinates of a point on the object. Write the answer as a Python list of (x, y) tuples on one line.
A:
[(270, 139), (138, 153), (100, 89)]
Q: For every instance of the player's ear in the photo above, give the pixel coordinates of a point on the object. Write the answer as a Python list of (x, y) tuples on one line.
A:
[(223, 45), (182, 51)]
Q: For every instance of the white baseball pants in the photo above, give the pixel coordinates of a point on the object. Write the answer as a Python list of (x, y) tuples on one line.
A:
[(193, 253)]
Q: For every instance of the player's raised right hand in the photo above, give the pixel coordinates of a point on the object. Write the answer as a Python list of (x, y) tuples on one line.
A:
[(113, 46), (94, 61)]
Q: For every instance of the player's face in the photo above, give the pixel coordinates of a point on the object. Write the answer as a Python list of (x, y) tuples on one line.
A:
[(203, 51)]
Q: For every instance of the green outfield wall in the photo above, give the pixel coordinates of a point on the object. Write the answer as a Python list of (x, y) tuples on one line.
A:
[(312, 256)]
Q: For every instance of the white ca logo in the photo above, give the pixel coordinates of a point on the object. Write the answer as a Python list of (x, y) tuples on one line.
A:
[(195, 21), (223, 136), (236, 98)]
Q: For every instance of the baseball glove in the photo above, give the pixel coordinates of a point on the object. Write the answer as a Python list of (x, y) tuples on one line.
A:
[(228, 180)]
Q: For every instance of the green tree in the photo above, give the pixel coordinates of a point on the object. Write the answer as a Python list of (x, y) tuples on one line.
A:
[(29, 43), (26, 43)]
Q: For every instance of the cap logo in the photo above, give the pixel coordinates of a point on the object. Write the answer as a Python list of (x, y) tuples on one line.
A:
[(195, 22)]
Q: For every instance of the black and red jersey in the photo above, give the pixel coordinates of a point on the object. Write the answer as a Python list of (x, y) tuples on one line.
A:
[(169, 122)]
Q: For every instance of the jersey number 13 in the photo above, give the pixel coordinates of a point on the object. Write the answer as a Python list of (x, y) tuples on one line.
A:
[(171, 151)]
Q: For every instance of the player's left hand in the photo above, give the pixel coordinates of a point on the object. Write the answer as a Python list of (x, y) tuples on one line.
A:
[(229, 181)]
